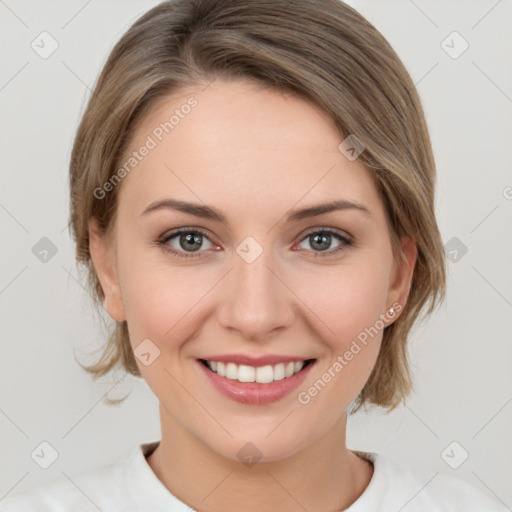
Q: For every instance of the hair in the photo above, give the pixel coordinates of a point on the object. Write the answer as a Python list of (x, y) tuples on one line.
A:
[(322, 50)]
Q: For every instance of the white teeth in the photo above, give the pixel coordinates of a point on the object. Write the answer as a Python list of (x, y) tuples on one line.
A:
[(265, 374), (298, 366), (246, 373), (261, 374), (279, 373), (231, 371)]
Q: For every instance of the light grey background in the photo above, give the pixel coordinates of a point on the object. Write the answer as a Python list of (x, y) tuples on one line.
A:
[(461, 357)]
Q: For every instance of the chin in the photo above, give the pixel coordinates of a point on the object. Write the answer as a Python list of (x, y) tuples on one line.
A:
[(252, 445)]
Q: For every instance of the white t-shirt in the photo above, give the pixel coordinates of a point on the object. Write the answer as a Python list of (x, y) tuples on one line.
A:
[(131, 486)]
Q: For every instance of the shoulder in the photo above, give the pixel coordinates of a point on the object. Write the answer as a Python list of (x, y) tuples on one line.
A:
[(398, 486), (87, 491), (128, 485)]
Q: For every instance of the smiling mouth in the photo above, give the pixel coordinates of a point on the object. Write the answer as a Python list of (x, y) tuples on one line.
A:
[(261, 374)]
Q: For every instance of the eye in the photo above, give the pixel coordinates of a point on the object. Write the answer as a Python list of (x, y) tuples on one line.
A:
[(188, 241), (321, 240)]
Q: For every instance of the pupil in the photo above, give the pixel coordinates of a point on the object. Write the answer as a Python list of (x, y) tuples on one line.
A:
[(189, 239), (319, 238)]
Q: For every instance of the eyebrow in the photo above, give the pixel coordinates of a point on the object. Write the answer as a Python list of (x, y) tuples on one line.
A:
[(208, 212)]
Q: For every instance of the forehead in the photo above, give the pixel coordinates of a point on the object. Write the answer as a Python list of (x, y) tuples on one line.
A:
[(237, 143)]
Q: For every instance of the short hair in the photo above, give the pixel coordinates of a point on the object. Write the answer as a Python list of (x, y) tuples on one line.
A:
[(322, 50)]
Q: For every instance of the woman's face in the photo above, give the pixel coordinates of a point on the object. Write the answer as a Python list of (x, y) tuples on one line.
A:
[(263, 281)]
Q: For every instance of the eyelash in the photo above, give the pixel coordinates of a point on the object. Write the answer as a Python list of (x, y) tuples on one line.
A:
[(162, 242)]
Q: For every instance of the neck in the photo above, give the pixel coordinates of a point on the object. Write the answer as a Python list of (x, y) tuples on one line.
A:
[(325, 476)]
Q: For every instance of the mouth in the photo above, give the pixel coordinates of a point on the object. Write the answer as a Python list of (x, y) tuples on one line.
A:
[(255, 385), (260, 374)]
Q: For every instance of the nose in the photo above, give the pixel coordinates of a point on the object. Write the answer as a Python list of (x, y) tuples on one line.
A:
[(256, 300)]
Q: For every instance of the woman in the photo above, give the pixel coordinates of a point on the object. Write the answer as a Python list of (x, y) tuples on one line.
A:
[(252, 191)]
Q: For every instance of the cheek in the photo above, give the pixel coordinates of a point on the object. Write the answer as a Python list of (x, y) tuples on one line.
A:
[(160, 303), (157, 295), (347, 311), (348, 301), (350, 306)]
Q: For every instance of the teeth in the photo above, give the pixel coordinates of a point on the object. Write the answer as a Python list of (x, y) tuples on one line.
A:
[(261, 374), (264, 374), (279, 372), (246, 373), (231, 371)]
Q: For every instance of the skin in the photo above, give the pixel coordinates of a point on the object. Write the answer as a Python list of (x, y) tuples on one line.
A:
[(254, 154)]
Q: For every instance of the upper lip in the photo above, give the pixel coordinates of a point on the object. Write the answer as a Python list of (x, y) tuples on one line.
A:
[(271, 359)]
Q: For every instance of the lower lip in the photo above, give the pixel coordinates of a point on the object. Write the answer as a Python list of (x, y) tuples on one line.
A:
[(255, 393)]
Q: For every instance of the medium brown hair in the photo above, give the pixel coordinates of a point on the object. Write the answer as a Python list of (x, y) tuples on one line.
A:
[(322, 50)]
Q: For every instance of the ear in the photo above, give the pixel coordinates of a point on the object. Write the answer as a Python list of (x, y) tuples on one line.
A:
[(401, 276), (103, 258)]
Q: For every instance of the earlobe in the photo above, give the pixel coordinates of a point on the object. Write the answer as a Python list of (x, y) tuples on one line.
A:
[(102, 256)]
